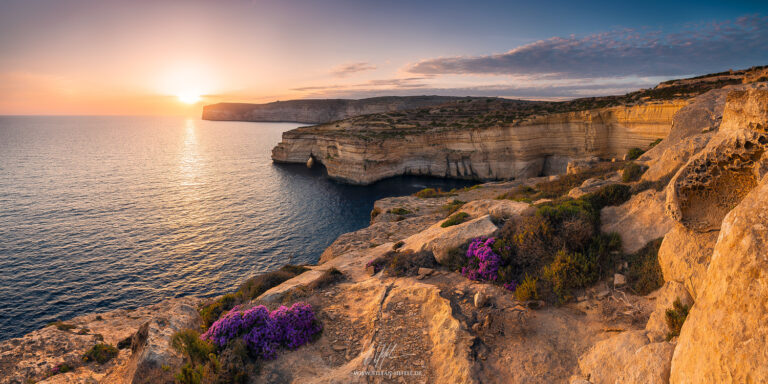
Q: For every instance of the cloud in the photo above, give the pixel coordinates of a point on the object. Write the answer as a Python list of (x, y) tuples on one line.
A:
[(696, 49), (348, 69), (397, 83)]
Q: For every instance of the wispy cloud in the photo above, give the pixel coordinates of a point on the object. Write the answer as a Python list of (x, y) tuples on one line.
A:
[(698, 48), (397, 83), (351, 68)]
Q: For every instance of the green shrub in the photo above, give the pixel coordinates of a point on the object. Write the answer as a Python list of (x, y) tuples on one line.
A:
[(655, 143), (457, 218), (634, 153), (400, 211), (609, 195), (632, 172), (457, 258), (644, 270), (330, 276), (527, 290), (557, 212), (249, 290), (408, 263), (569, 271), (398, 245), (675, 318), (520, 193), (453, 206), (62, 326), (101, 353), (189, 344), (428, 193)]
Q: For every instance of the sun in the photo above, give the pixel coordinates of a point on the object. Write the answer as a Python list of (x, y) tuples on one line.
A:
[(188, 97)]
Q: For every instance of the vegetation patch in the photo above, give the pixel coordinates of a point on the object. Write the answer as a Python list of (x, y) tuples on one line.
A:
[(632, 172), (399, 264), (100, 353), (634, 153), (400, 211), (62, 326), (455, 219), (675, 318), (430, 193), (249, 290), (644, 269), (560, 186), (452, 207)]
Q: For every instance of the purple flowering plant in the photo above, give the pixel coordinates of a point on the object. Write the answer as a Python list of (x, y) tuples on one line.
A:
[(483, 264), (264, 332)]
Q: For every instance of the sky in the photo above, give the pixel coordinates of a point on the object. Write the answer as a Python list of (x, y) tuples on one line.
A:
[(162, 57)]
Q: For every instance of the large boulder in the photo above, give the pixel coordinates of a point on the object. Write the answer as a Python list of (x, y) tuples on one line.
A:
[(603, 363), (666, 295), (441, 240), (503, 209), (638, 221), (153, 360), (649, 365), (715, 180), (725, 338), (684, 256)]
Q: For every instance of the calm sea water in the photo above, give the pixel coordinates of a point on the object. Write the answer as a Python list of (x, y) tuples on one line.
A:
[(98, 213)]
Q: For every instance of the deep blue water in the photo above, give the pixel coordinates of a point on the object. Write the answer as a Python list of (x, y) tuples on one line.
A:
[(98, 213)]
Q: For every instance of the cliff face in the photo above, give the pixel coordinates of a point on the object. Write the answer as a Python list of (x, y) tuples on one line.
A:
[(531, 147), (319, 110)]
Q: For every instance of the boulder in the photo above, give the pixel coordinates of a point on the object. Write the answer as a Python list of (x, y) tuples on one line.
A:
[(649, 365), (684, 256), (591, 185), (675, 156), (153, 360), (666, 295), (638, 221), (605, 361), (715, 180), (725, 338), (503, 209), (441, 240)]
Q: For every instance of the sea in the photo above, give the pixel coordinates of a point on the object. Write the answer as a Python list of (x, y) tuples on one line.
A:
[(99, 213)]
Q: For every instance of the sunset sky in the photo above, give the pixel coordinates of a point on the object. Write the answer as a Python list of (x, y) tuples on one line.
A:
[(171, 57)]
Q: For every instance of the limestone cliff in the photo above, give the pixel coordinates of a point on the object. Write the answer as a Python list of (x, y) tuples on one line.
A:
[(531, 147), (314, 111)]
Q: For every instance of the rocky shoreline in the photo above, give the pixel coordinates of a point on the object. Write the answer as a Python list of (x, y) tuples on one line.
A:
[(703, 190)]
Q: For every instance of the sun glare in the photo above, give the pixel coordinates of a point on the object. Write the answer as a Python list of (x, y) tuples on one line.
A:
[(188, 98)]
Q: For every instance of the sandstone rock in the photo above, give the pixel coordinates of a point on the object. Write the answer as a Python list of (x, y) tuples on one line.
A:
[(425, 271), (591, 185), (605, 361), (649, 365), (684, 256), (638, 221), (675, 156), (153, 360), (717, 178), (578, 166), (503, 209), (441, 240), (539, 145), (725, 338), (480, 299), (657, 324), (619, 280)]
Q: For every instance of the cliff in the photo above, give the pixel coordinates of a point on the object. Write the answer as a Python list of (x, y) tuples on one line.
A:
[(315, 111), (360, 152)]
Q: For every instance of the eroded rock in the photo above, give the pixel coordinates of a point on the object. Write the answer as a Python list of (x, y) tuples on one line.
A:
[(441, 240), (725, 338), (638, 221), (605, 361), (684, 256)]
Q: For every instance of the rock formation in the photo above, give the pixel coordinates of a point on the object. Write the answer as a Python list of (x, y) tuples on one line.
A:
[(318, 110)]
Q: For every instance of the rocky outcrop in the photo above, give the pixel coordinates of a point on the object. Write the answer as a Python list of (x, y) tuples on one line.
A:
[(725, 338), (684, 256), (498, 209), (716, 179), (532, 147), (33, 357), (638, 221), (316, 111), (440, 241)]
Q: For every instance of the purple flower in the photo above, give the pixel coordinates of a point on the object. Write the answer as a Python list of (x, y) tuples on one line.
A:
[(264, 332), (483, 263)]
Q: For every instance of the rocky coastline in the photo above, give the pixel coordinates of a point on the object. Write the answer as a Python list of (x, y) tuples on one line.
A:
[(699, 204)]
